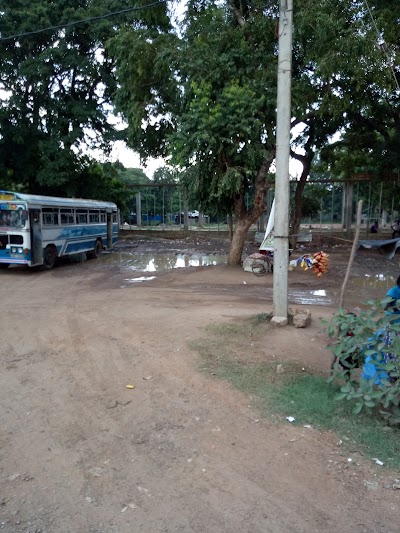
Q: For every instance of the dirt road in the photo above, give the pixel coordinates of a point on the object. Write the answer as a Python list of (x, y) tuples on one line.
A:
[(180, 452)]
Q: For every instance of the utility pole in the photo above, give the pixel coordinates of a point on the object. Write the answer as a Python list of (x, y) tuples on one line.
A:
[(282, 191), (138, 209)]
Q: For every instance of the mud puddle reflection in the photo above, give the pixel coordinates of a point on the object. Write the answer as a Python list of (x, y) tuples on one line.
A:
[(135, 268), (359, 290), (311, 297), (128, 262)]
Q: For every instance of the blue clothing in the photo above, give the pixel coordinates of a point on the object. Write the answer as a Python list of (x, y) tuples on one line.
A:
[(372, 368), (370, 371), (394, 292)]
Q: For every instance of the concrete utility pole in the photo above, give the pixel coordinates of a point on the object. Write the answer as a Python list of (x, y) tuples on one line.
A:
[(138, 209), (282, 191)]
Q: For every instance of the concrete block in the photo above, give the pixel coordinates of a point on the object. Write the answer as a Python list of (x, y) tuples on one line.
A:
[(302, 320)]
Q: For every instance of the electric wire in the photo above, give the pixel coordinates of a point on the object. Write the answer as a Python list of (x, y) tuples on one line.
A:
[(379, 34), (82, 21)]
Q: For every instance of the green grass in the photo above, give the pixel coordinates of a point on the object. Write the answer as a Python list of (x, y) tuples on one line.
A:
[(307, 397), (311, 400)]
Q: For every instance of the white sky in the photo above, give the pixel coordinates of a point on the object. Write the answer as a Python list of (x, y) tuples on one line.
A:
[(131, 159)]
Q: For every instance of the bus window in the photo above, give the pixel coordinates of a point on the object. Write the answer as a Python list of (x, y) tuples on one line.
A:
[(16, 239), (114, 217), (94, 216), (81, 216), (13, 218), (67, 216), (5, 218), (102, 217), (50, 216)]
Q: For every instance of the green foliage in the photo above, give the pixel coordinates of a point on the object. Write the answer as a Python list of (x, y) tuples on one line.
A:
[(59, 86), (206, 95), (356, 337), (363, 77), (101, 181), (207, 98)]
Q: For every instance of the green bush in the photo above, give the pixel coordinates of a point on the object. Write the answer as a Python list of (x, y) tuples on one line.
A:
[(373, 337)]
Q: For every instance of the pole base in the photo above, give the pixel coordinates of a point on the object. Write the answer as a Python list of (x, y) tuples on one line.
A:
[(279, 321)]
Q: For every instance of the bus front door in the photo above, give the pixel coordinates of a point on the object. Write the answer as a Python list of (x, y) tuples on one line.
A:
[(109, 230), (36, 237)]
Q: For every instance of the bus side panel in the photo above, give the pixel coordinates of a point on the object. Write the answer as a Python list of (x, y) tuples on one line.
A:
[(74, 239)]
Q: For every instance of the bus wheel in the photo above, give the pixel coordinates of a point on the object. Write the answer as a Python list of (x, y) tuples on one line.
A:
[(4, 265), (98, 249), (49, 257)]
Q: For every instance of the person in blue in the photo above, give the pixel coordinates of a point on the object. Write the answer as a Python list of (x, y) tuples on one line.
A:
[(372, 369), (394, 293)]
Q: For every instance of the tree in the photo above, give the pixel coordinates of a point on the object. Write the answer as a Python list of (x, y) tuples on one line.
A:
[(358, 84), (101, 181), (208, 96), (59, 85), (208, 99)]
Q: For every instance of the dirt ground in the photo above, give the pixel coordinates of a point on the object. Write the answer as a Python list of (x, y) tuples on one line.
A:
[(181, 451)]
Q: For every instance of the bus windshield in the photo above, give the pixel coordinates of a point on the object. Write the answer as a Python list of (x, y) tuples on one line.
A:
[(15, 218)]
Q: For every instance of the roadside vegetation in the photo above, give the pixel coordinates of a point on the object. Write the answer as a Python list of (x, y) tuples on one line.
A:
[(226, 353)]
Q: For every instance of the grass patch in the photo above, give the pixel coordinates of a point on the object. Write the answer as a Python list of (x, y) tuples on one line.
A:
[(309, 398)]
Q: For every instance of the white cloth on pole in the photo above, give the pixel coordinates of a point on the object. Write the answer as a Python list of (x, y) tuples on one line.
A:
[(268, 241)]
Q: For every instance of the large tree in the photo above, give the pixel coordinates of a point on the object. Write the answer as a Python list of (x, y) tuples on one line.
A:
[(351, 54), (57, 87), (208, 99), (207, 96)]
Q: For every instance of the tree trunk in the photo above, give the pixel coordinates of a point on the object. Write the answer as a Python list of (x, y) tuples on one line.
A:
[(237, 243), (230, 226), (243, 218), (298, 199)]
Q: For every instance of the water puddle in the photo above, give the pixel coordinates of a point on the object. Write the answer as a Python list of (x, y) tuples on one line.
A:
[(311, 297), (155, 263), (139, 280), (376, 281), (138, 268)]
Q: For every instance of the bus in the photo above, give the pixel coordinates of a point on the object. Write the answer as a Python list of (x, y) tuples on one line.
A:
[(36, 230)]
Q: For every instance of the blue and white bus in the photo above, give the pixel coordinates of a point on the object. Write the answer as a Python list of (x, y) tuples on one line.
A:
[(36, 230)]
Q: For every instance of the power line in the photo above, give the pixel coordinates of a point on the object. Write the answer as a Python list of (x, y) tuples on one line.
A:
[(82, 21), (382, 44)]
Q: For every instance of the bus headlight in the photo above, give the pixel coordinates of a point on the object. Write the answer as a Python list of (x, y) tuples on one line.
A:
[(15, 250)]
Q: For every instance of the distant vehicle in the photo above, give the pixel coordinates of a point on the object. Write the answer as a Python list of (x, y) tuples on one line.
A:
[(193, 215), (36, 230)]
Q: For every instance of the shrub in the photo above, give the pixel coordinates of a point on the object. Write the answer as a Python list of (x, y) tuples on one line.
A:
[(369, 341)]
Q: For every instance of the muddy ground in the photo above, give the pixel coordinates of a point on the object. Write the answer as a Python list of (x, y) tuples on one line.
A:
[(180, 452)]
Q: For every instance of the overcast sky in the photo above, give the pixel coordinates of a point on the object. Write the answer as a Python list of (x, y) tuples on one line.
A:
[(130, 159)]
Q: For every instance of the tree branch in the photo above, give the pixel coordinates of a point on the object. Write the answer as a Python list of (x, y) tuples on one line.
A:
[(238, 16)]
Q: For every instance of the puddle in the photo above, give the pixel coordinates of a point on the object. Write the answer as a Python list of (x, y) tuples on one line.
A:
[(139, 280), (311, 297), (321, 292), (154, 263), (137, 268), (377, 281)]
